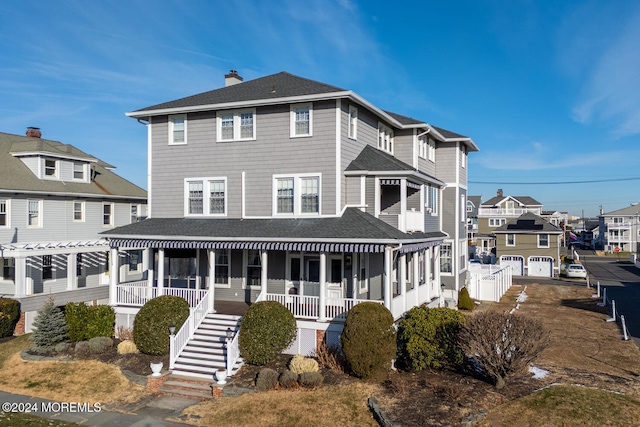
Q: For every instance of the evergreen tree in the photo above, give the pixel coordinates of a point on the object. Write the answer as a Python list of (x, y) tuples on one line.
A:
[(49, 327)]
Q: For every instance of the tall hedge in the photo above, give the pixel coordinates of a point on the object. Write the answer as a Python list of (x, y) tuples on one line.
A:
[(151, 325), (369, 340), (9, 316), (266, 329), (86, 322), (464, 300), (428, 337)]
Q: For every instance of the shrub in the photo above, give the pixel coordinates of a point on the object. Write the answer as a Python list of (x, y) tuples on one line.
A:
[(288, 379), (82, 347), (300, 364), (330, 357), (62, 347), (86, 322), (267, 379), (125, 334), (9, 316), (127, 347), (151, 325), (49, 326), (310, 379), (464, 300), (502, 344), (369, 340), (428, 337), (100, 344), (266, 329)]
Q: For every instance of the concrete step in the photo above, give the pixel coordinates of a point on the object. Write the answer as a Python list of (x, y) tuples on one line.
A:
[(187, 387)]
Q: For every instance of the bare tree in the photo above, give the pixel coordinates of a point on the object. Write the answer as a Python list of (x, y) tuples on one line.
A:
[(502, 344)]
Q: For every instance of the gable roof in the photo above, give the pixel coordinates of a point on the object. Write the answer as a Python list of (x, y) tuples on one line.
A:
[(522, 200), (528, 223), (376, 162), (632, 210), (15, 176)]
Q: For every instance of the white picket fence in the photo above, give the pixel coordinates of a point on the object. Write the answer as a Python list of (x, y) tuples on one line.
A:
[(489, 282)]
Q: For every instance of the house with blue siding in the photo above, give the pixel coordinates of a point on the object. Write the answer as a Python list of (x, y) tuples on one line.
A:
[(55, 200), (292, 190)]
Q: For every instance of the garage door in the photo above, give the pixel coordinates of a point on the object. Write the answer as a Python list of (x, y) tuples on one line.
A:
[(516, 263), (540, 266)]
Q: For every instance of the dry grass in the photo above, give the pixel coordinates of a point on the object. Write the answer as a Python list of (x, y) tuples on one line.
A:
[(329, 406)]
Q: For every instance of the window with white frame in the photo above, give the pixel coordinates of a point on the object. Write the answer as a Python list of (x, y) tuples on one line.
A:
[(363, 272), (446, 257), (178, 129), (47, 267), (107, 214), (297, 195), (206, 196), (431, 149), (239, 125), (469, 206), (543, 240), (78, 211), (511, 239), (463, 208), (50, 168), (78, 171), (353, 122), (497, 222), (34, 218), (135, 213), (432, 203), (463, 157), (422, 146), (79, 269), (253, 270), (301, 120), (8, 269), (385, 138), (135, 258), (4, 213), (222, 263)]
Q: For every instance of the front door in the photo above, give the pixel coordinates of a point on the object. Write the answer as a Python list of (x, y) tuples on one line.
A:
[(295, 275)]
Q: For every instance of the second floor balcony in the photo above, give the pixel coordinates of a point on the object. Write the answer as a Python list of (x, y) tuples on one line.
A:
[(507, 212)]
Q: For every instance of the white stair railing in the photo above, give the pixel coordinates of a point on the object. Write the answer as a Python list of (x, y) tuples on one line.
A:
[(179, 341), (233, 352)]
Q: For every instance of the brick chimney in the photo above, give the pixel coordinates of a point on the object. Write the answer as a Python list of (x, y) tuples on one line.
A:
[(499, 193), (232, 78), (34, 132)]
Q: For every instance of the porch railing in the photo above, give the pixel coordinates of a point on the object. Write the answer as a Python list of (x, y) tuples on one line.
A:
[(178, 342), (308, 307), (138, 293)]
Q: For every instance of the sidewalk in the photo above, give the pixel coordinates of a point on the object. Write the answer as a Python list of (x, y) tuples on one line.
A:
[(149, 413)]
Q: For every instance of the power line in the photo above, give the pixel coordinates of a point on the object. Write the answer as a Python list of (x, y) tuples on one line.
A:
[(555, 182)]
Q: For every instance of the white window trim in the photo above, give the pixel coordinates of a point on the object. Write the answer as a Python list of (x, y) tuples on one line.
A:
[(40, 213), (548, 241), (463, 208), (111, 215), (171, 124), (53, 269), (497, 222), (463, 157), (84, 171), (353, 118), (432, 204), (439, 263), (422, 147), (431, 150), (206, 196), (56, 172), (7, 203), (236, 124), (82, 211), (245, 269), (292, 120), (506, 239), (388, 140), (213, 279), (297, 196), (363, 284)]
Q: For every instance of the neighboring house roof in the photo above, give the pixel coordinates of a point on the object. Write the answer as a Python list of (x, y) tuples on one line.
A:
[(522, 200), (354, 226), (374, 161), (15, 176), (475, 201), (633, 210), (528, 223)]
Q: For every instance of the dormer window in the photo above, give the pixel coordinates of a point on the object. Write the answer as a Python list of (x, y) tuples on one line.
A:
[(78, 171), (50, 167), (385, 138)]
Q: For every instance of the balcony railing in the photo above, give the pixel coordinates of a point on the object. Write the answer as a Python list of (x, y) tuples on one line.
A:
[(514, 212), (136, 294)]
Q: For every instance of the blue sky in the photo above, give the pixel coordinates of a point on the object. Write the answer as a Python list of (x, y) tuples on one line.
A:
[(548, 90)]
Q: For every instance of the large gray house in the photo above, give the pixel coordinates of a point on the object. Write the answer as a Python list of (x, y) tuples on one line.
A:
[(55, 200), (283, 188)]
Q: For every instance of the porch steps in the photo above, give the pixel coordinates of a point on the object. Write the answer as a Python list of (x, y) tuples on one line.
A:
[(188, 387), (205, 353)]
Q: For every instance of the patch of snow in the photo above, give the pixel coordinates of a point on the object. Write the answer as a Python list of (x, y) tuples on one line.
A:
[(522, 297), (538, 373)]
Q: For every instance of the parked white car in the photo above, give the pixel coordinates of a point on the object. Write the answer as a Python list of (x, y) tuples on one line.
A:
[(577, 271)]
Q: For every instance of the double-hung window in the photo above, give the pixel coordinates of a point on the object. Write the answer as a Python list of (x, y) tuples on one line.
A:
[(301, 120), (222, 262), (107, 214), (446, 258), (78, 171), (431, 149), (385, 138), (253, 270), (239, 125), (297, 195), (4, 213), (543, 240), (363, 272), (47, 267), (432, 203), (8, 269), (34, 217), (463, 157), (206, 196), (50, 167), (353, 122), (422, 146), (78, 211), (178, 129), (511, 239)]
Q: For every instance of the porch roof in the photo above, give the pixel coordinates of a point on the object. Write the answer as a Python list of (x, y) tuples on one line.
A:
[(354, 231)]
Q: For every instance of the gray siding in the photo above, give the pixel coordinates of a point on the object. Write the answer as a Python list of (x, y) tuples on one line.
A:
[(403, 146), (446, 160)]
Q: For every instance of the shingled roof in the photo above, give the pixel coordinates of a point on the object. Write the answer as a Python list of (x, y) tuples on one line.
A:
[(528, 223)]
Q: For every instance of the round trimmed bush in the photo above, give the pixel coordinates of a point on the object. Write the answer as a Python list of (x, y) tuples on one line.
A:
[(127, 347), (300, 364), (369, 340), (428, 337), (310, 379), (267, 379), (266, 329), (288, 379), (464, 300), (100, 344), (151, 325)]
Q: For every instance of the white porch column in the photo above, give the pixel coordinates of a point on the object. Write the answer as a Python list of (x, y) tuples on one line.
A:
[(402, 267), (160, 271), (264, 260), (114, 267), (72, 276), (21, 276), (148, 257), (388, 255), (403, 204), (355, 268), (212, 280), (416, 279), (428, 254), (323, 286)]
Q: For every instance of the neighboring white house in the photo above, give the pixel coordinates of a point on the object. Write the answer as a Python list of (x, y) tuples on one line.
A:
[(620, 229), (55, 200)]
